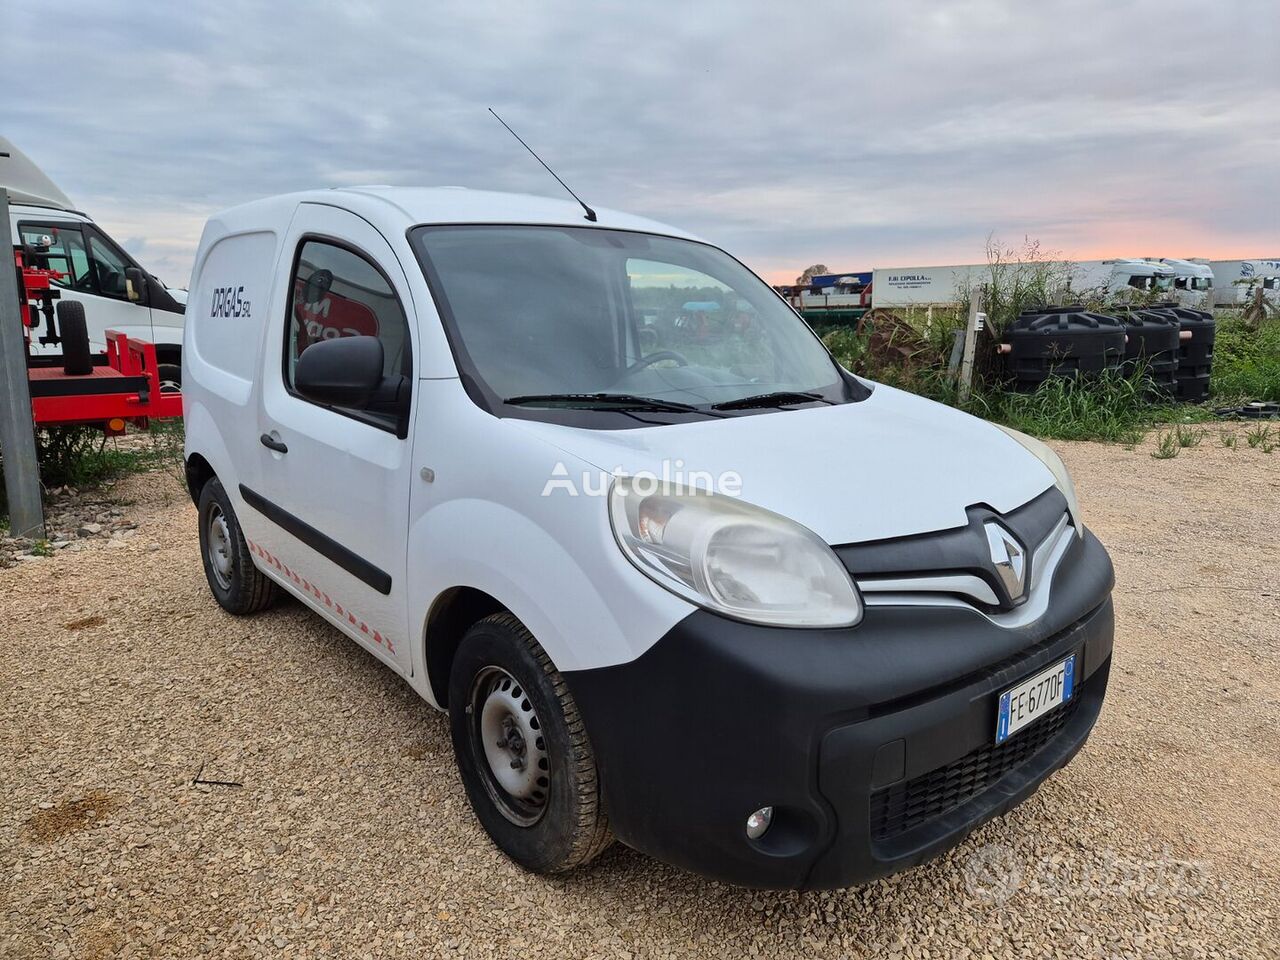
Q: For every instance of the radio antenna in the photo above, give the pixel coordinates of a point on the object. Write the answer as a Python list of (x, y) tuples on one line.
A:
[(591, 214)]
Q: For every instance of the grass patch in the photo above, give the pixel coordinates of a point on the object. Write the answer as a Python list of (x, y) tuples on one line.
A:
[(1111, 408), (1167, 447), (80, 457), (1262, 438), (85, 457), (1259, 436), (74, 456), (1187, 437), (1246, 362), (847, 345)]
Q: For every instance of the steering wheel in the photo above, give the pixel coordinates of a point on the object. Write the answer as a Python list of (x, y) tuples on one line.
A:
[(657, 358)]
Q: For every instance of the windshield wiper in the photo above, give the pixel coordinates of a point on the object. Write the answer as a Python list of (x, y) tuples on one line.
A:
[(779, 398), (603, 401)]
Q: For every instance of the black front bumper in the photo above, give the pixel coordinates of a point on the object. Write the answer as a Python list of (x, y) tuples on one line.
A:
[(874, 744)]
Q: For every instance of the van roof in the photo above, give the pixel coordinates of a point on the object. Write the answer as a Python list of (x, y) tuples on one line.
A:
[(395, 209), (1187, 267), (26, 182), (1142, 268)]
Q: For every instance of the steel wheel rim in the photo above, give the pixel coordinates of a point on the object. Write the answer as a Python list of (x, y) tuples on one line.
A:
[(221, 561), (509, 746)]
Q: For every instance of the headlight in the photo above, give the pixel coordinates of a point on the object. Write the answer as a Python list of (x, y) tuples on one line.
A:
[(730, 557), (1061, 476)]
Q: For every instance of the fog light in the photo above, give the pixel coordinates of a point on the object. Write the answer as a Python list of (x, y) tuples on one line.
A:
[(759, 822)]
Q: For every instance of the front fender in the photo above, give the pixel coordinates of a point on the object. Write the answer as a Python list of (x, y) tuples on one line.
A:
[(482, 515), (587, 608)]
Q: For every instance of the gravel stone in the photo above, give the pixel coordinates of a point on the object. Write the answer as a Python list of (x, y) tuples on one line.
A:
[(349, 834)]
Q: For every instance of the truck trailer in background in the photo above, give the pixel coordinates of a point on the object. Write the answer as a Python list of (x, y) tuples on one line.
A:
[(1193, 282), (924, 286), (948, 285), (1234, 281), (832, 297)]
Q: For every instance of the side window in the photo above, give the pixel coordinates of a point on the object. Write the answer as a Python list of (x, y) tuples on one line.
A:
[(108, 265), (336, 292), (67, 253)]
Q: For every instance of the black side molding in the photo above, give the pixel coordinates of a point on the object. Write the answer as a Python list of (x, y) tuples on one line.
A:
[(322, 544)]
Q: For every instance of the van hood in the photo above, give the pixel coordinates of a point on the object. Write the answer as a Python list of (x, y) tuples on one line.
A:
[(892, 465)]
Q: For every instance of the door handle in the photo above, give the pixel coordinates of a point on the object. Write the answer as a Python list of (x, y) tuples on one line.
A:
[(271, 443)]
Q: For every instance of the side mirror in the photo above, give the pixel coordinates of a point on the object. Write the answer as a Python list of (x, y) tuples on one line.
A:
[(345, 372), (136, 285)]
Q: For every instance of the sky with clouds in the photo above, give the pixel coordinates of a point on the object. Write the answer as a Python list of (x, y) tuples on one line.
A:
[(853, 134)]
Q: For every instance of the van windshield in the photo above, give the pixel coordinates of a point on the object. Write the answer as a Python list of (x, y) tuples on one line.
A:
[(577, 317)]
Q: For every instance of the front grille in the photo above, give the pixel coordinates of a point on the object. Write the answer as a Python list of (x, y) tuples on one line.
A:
[(905, 806), (958, 552)]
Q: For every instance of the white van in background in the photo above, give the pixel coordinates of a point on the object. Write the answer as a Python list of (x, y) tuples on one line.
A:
[(117, 292), (1120, 275), (1192, 282)]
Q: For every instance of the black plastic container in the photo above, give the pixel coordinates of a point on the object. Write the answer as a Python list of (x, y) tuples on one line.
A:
[(1195, 354), (1153, 347), (1062, 342)]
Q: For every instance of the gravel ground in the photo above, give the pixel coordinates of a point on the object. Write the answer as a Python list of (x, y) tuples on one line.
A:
[(70, 517), (332, 822)]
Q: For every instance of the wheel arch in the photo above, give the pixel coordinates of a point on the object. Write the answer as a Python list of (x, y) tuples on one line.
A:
[(205, 454), (452, 614), (198, 472)]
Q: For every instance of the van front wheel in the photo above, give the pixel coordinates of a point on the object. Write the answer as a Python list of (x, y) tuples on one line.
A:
[(523, 750), (237, 585)]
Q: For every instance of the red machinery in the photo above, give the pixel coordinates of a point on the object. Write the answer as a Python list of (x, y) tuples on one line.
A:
[(111, 390)]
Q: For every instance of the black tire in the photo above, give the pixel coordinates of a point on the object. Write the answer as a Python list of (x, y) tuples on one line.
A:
[(238, 586), (74, 331), (568, 825), (170, 377)]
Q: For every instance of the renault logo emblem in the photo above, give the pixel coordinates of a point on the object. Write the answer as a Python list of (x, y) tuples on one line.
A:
[(1009, 558)]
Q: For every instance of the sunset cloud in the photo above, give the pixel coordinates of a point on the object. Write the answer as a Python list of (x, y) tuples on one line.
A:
[(853, 134)]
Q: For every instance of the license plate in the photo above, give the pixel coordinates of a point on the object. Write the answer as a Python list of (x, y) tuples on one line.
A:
[(1034, 697)]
